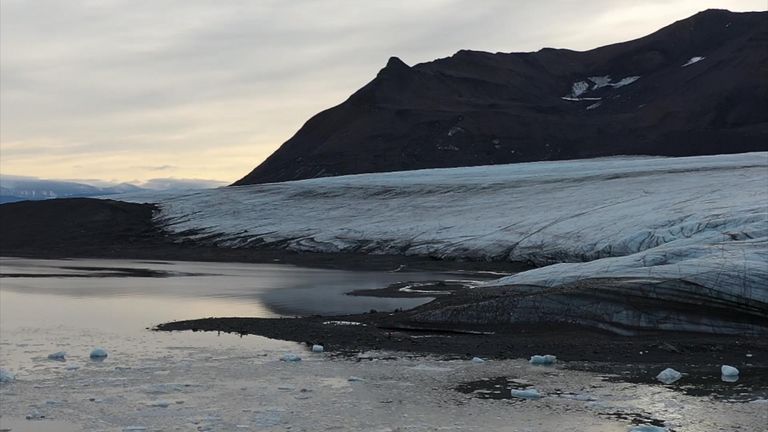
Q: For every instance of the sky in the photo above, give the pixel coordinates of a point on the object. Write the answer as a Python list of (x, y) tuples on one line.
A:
[(169, 90)]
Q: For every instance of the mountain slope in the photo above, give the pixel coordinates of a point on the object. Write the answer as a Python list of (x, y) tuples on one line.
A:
[(695, 87)]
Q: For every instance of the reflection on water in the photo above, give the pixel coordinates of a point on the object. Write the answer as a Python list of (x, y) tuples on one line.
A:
[(83, 303)]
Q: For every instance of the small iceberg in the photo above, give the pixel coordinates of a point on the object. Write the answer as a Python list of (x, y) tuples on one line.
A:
[(543, 360), (290, 357), (648, 428), (668, 376), (6, 376), (58, 356), (99, 354), (318, 348), (526, 394), (477, 360), (729, 371)]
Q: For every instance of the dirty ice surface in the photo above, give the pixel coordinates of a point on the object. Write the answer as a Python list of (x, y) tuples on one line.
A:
[(206, 382)]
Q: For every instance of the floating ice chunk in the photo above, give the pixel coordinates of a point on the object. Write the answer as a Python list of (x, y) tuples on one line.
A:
[(290, 357), (35, 415), (354, 379), (134, 428), (729, 371), (543, 360), (625, 81), (72, 367), (317, 348), (648, 428), (600, 81), (729, 378), (6, 376), (99, 354), (477, 360), (160, 403), (526, 394), (693, 60), (578, 88), (58, 356), (668, 376)]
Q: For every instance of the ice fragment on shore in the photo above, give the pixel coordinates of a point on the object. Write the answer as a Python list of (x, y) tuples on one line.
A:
[(526, 394), (477, 360), (35, 415), (350, 323), (290, 357), (58, 356), (648, 428), (6, 376), (729, 371), (543, 360), (99, 354), (317, 348), (668, 376)]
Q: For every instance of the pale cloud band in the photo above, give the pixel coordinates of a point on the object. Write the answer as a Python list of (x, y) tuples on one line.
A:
[(109, 89)]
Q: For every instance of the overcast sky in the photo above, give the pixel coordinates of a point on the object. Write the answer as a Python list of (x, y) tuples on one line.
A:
[(137, 90)]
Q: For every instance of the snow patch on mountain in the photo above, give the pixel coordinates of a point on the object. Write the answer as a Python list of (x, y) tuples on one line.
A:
[(693, 60)]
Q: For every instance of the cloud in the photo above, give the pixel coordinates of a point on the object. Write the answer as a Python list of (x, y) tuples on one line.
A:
[(213, 88), (156, 167)]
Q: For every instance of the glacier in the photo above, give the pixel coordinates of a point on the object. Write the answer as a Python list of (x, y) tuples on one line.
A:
[(671, 234)]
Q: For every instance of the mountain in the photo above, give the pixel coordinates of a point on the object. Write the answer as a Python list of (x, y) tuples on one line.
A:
[(695, 87), (13, 189)]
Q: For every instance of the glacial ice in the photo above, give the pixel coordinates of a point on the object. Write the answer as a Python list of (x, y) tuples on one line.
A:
[(647, 428), (477, 360), (99, 353), (668, 376), (526, 394), (543, 360), (290, 357), (690, 229), (6, 376), (729, 371), (317, 348)]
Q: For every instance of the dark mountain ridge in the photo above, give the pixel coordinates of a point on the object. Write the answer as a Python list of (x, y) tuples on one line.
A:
[(698, 86)]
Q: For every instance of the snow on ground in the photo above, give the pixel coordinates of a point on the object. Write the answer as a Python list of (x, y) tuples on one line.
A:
[(693, 60), (701, 220)]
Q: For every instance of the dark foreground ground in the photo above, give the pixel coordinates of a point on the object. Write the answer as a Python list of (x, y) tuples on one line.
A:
[(392, 331)]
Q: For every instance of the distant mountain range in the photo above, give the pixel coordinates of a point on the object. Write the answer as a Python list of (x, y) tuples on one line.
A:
[(13, 189), (695, 87)]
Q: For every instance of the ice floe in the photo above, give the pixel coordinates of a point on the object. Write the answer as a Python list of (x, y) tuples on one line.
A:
[(543, 360), (729, 371), (99, 354), (668, 376), (58, 356), (6, 376), (526, 394)]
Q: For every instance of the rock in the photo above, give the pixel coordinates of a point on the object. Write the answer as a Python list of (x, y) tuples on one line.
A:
[(317, 348), (729, 371), (668, 376), (58, 356), (290, 357), (99, 354), (543, 360), (526, 394), (6, 376)]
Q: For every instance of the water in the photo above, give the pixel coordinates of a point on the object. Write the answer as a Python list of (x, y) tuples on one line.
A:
[(53, 305)]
